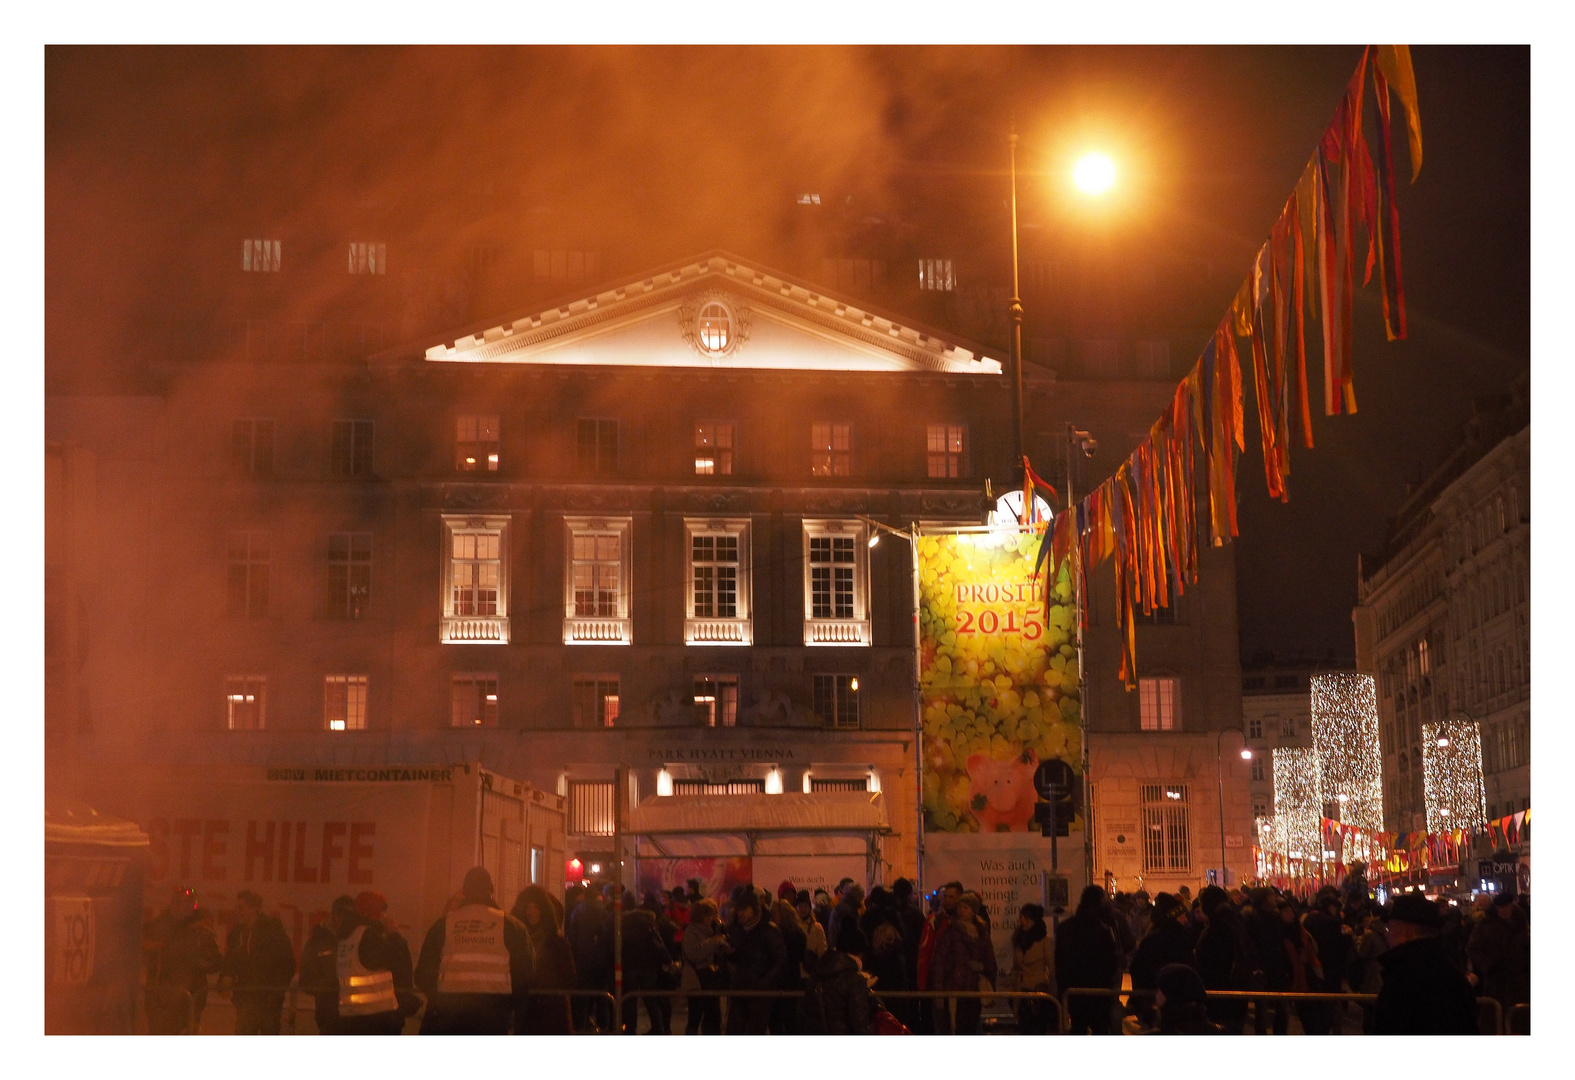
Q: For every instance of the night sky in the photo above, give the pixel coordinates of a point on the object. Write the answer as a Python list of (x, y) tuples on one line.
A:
[(152, 154)]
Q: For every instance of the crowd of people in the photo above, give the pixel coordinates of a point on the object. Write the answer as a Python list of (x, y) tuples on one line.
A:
[(834, 959)]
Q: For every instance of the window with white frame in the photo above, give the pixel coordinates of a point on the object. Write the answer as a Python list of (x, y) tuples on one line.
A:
[(251, 447), (1157, 701), (1257, 767), (1260, 810), (591, 807), (351, 451), (344, 702), (1254, 727), (473, 700), (595, 701), (944, 444), (718, 695), (349, 574), (718, 602), (935, 275), (261, 256), (836, 576), (245, 702), (247, 584), (836, 700), (368, 257), (1166, 844), (476, 445), (830, 448), (475, 580), (597, 578), (713, 448), (596, 446)]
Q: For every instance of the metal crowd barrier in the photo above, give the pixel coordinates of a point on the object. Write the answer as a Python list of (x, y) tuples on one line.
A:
[(1490, 1017), (931, 995), (1511, 1027)]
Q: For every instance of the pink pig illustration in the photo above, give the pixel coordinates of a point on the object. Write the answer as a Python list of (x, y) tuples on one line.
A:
[(1001, 793)]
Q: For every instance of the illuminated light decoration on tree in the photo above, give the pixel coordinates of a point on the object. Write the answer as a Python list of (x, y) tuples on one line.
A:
[(1345, 735), (1298, 807), (1452, 775)]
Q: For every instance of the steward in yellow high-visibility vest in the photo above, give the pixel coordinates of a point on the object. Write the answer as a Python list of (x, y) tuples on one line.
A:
[(359, 972), (476, 964)]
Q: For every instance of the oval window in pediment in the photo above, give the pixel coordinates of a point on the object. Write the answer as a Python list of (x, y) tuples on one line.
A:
[(714, 327)]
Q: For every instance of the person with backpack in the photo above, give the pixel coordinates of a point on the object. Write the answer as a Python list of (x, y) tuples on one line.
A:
[(885, 955), (1087, 955), (837, 1000), (1224, 957)]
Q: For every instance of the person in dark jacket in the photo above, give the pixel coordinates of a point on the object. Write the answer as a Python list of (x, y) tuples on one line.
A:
[(1422, 993), (1335, 945), (1164, 944), (590, 938), (758, 956), (645, 958), (1087, 955), (541, 1013), (963, 955), (837, 1000), (847, 911), (785, 1011), (1224, 957), (1267, 933), (345, 941), (1500, 953), (1181, 1002), (885, 954), (494, 953), (704, 948), (258, 966), (182, 951)]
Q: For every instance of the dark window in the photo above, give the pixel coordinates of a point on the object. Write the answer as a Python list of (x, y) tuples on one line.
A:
[(247, 593), (837, 700), (251, 447), (352, 448), (349, 574), (595, 701), (596, 446)]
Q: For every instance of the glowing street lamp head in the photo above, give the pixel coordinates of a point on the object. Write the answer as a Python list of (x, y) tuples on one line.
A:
[(1094, 173)]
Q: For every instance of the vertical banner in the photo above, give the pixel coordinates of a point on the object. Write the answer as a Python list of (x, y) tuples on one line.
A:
[(998, 678)]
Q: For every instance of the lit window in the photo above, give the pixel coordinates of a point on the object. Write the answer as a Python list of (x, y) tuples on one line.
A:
[(245, 702), (817, 783), (945, 446), (248, 574), (718, 695), (835, 581), (830, 449), (837, 700), (1157, 704), (476, 447), (260, 256), (591, 807), (474, 700), (351, 453), (713, 449), (743, 786), (809, 198), (344, 702), (251, 447), (595, 701), (714, 560), (368, 258), (1166, 846), (475, 580), (714, 327), (349, 574), (718, 611), (1421, 649), (935, 275), (598, 581), (596, 446)]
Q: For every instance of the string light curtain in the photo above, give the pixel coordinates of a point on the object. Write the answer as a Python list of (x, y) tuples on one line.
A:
[(1345, 735), (1452, 775), (1298, 805)]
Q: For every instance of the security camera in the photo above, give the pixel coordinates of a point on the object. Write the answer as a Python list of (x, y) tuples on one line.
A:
[(1090, 447)]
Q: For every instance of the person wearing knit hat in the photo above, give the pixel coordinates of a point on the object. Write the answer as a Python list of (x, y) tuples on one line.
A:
[(476, 962), (1179, 995), (786, 891)]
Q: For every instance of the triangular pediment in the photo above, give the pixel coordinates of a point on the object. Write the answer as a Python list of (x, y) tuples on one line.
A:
[(717, 311)]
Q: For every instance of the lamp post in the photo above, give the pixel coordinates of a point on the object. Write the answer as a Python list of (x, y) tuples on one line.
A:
[(1016, 310), (1219, 774)]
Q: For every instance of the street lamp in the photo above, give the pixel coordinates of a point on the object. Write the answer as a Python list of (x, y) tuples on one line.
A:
[(1219, 774)]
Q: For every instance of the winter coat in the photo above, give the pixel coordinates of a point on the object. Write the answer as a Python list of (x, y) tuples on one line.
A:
[(759, 954), (183, 953), (1374, 944), (815, 944), (320, 970), (703, 946), (645, 954), (884, 954), (844, 914), (1334, 947), (547, 1014), (259, 957), (590, 938), (1267, 934), (1086, 953), (795, 944), (1033, 968), (1423, 993), (1225, 957), (963, 955), (837, 1000), (1500, 954), (1165, 943)]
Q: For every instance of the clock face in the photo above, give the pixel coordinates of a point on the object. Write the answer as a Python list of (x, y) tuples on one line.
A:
[(1009, 509)]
